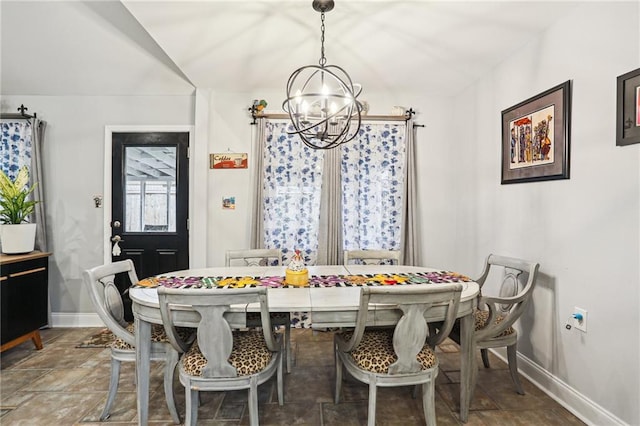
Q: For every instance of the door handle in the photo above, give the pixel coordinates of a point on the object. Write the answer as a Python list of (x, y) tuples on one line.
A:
[(117, 239)]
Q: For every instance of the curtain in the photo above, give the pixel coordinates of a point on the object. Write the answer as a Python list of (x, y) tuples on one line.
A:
[(257, 218), (16, 148), (291, 193), (410, 241), (373, 187), (330, 240), (38, 129)]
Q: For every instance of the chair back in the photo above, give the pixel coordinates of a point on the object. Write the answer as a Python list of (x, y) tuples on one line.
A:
[(518, 279), (254, 257), (215, 337), (372, 257), (106, 297), (411, 331)]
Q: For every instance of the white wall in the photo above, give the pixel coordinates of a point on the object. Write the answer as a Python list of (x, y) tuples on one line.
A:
[(73, 170), (584, 231)]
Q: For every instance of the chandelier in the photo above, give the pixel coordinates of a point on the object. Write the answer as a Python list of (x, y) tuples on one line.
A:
[(322, 100)]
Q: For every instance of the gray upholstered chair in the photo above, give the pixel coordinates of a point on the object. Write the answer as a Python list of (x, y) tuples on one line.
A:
[(264, 257), (372, 257), (108, 304), (496, 315), (402, 355), (223, 359)]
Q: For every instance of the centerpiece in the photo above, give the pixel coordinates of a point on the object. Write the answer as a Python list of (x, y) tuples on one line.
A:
[(17, 235), (296, 273)]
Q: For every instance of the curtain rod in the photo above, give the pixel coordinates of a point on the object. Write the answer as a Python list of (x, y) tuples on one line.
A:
[(282, 116), (22, 114)]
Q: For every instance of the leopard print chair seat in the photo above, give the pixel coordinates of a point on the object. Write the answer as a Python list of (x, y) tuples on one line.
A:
[(375, 352), (157, 335), (249, 355), (481, 317)]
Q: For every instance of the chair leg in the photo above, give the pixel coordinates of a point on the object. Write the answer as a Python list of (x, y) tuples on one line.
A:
[(113, 388), (429, 401), (280, 381), (191, 402), (513, 367), (338, 364), (169, 369), (373, 390), (253, 402), (485, 357), (287, 344)]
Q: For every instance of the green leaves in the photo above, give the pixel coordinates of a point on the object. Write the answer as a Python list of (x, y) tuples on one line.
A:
[(14, 205)]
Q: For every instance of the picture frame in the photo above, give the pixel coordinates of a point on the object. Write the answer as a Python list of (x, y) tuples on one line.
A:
[(536, 137), (628, 108)]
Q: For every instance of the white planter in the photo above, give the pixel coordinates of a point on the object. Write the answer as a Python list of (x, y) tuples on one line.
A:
[(17, 239)]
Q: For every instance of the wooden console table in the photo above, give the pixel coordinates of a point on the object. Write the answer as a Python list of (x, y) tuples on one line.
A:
[(24, 295)]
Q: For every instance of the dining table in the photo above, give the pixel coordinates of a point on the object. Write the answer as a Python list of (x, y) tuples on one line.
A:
[(331, 298)]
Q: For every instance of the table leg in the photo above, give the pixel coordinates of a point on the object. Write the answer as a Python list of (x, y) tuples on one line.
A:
[(143, 366), (468, 367)]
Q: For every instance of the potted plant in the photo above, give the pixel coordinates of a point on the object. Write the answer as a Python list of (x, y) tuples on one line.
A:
[(17, 235)]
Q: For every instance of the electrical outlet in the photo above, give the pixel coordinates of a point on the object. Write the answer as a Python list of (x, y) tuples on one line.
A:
[(580, 324)]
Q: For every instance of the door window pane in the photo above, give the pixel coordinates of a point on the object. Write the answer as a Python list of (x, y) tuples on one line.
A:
[(150, 185)]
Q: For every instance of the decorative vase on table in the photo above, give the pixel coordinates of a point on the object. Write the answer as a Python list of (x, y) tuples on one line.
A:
[(17, 235), (296, 273)]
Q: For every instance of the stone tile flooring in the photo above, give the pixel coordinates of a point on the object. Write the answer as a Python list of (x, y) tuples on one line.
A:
[(64, 385)]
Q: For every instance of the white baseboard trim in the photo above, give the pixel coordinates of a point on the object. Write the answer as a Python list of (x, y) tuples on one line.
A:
[(578, 404), (61, 319)]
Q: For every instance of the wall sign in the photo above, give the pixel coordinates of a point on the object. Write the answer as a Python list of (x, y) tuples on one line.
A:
[(228, 160)]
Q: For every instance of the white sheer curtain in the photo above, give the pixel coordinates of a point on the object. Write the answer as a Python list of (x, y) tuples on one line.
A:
[(373, 187), (292, 185)]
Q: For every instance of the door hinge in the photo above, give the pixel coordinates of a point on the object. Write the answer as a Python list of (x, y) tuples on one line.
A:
[(187, 224), (188, 152)]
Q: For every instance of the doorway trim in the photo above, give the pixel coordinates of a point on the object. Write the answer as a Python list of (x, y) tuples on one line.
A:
[(197, 191)]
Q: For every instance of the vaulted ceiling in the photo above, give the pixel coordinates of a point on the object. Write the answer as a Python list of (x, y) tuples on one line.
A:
[(169, 47)]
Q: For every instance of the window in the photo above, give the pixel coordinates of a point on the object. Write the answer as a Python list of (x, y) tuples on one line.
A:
[(371, 191)]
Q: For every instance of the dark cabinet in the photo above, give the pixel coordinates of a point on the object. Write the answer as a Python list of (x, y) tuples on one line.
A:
[(24, 281)]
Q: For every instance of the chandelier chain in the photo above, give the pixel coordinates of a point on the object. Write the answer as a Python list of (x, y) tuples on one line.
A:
[(323, 60)]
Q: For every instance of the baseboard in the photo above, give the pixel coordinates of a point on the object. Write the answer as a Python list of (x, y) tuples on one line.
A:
[(578, 404), (61, 319)]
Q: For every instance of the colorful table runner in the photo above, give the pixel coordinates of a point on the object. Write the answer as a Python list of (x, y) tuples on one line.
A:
[(314, 280)]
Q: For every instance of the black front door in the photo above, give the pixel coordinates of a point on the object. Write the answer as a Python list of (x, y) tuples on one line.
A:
[(150, 199)]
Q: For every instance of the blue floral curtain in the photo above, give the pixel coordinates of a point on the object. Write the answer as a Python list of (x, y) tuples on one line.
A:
[(373, 187), (292, 184), (16, 147)]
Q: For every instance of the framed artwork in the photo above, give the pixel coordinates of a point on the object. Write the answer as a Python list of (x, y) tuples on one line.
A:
[(228, 160), (535, 137), (628, 109), (228, 203)]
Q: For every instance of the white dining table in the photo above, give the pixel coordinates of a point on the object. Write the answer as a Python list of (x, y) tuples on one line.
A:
[(328, 307)]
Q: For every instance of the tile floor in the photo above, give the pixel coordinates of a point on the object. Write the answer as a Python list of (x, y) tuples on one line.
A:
[(65, 385)]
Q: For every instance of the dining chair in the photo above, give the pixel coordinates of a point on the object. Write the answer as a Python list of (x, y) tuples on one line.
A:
[(223, 357), (107, 302), (264, 257), (403, 354), (254, 257), (372, 257), (496, 315)]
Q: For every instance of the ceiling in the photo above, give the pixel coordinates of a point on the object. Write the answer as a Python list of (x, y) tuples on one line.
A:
[(165, 47)]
